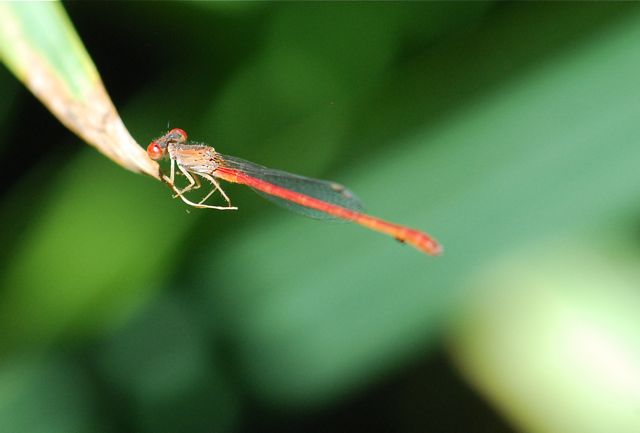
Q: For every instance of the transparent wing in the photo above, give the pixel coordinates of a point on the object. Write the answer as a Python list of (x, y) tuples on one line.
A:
[(326, 191)]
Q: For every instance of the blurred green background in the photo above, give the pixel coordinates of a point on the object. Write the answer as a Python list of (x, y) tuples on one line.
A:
[(509, 131)]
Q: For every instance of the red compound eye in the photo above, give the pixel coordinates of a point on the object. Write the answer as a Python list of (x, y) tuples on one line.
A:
[(154, 151), (179, 134)]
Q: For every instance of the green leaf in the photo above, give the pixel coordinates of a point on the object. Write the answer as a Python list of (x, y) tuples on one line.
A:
[(315, 309), (40, 46), (34, 32), (90, 257), (51, 388), (553, 339)]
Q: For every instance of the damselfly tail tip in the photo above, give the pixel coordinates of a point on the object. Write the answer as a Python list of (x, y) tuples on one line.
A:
[(422, 242), (436, 249), (429, 246)]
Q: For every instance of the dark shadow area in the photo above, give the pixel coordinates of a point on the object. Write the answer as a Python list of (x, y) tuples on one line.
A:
[(429, 396)]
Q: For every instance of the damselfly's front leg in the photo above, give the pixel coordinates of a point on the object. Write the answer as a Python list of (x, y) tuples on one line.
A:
[(194, 183), (172, 180)]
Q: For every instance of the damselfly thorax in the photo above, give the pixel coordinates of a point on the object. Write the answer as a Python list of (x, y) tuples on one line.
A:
[(197, 158)]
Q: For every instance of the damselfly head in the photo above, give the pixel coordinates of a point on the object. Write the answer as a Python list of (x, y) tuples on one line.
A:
[(176, 134), (157, 149)]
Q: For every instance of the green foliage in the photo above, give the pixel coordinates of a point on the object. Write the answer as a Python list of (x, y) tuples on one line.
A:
[(504, 130), (46, 30)]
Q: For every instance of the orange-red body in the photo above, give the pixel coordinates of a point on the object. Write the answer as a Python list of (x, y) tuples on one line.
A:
[(203, 160), (413, 237)]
